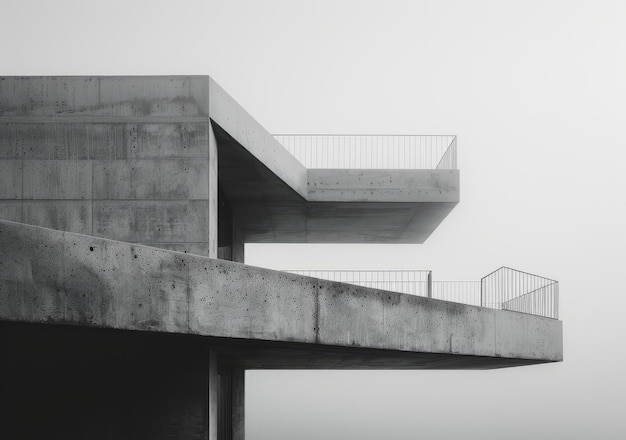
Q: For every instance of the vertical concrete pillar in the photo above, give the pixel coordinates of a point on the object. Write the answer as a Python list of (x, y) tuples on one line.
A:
[(213, 394), (227, 401), (238, 254), (213, 199), (238, 401)]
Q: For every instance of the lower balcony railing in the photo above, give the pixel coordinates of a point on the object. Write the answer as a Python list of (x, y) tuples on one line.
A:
[(503, 289)]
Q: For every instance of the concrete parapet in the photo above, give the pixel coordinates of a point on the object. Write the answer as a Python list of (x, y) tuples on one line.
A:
[(50, 276)]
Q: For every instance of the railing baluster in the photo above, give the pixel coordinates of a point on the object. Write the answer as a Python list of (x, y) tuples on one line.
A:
[(372, 151)]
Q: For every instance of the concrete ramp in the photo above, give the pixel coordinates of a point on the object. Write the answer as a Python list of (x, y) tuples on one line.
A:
[(261, 318)]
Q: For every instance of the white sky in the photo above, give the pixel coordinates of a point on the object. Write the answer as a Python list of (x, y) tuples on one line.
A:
[(535, 91)]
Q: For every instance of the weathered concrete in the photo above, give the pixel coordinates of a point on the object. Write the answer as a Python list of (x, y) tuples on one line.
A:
[(341, 206), (128, 158), (408, 186), (168, 335), (133, 139), (245, 130), (56, 277)]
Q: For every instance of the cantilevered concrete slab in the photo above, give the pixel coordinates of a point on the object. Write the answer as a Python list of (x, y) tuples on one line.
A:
[(339, 205), (262, 318)]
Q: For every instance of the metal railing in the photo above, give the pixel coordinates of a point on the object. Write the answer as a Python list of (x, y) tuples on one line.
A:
[(414, 282), (372, 151), (511, 289), (503, 289), (465, 292)]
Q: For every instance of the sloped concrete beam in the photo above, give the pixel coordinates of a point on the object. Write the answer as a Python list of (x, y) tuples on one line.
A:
[(48, 276)]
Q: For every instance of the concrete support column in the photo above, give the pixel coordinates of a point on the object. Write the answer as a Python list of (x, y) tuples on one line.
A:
[(213, 395), (213, 201), (238, 393), (227, 403)]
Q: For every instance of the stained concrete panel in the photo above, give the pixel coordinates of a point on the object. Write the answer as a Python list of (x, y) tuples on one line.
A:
[(48, 96), (10, 146), (63, 128), (64, 215), (145, 96), (331, 185), (73, 138), (109, 141), (11, 179), (57, 179), (154, 140), (11, 210), (381, 319), (518, 333), (152, 221), (62, 140), (151, 179), (238, 301)]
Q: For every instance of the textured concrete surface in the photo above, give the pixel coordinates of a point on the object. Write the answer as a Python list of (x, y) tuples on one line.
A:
[(126, 158), (49, 276), (94, 145), (341, 206)]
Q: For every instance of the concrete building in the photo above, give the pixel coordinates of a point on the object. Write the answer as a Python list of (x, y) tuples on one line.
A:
[(126, 311)]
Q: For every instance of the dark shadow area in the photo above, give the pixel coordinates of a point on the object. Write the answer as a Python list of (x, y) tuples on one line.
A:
[(71, 383)]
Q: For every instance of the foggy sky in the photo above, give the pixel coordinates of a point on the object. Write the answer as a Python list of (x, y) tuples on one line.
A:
[(535, 91)]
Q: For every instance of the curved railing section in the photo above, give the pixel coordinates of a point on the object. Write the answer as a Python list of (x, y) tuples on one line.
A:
[(372, 151), (503, 289)]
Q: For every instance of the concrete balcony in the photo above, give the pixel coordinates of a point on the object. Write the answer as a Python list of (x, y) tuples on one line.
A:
[(254, 317)]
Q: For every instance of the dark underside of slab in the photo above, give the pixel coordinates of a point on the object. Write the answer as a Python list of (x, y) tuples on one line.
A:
[(44, 346), (270, 211)]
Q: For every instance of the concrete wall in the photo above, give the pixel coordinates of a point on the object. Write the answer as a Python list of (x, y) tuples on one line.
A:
[(55, 277), (132, 159)]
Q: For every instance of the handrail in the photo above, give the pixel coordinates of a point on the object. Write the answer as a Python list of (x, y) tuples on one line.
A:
[(502, 289), (511, 289), (414, 282), (373, 151)]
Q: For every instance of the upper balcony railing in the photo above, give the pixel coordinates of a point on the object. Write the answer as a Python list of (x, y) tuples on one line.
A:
[(503, 289), (373, 151)]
